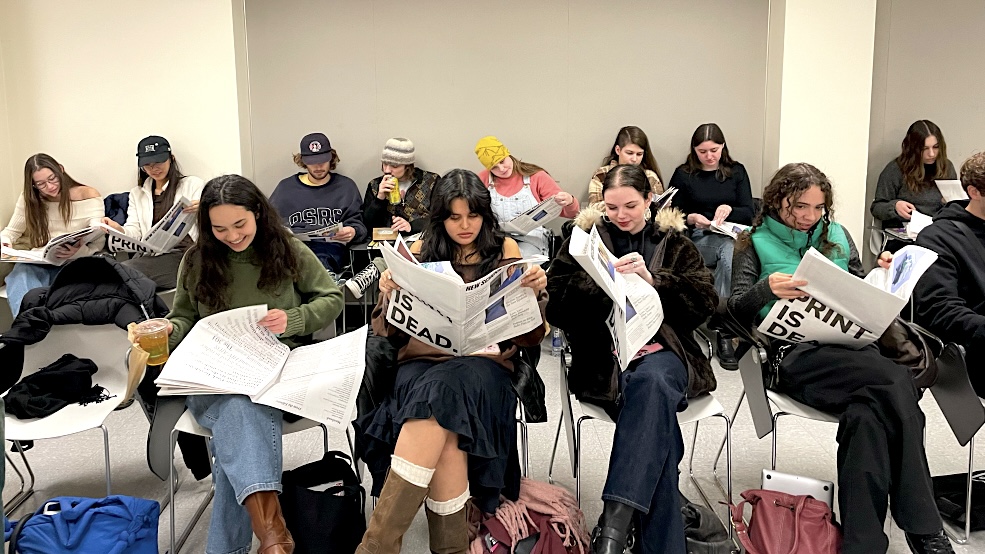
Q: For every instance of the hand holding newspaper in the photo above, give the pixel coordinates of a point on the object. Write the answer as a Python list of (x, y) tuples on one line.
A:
[(637, 312), (918, 222), (229, 353), (49, 253), (843, 309), (437, 307), (162, 237), (543, 213), (325, 234), (728, 228)]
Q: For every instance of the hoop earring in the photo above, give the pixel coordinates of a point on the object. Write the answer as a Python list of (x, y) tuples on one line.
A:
[(647, 214), (605, 218)]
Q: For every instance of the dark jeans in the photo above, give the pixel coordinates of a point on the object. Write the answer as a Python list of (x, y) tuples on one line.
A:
[(880, 439), (648, 447)]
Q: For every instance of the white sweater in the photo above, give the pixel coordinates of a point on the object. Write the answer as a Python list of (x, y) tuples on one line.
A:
[(85, 213), (140, 210)]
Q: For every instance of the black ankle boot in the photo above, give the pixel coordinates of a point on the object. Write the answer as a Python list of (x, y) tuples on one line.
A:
[(929, 544), (613, 533), (726, 352)]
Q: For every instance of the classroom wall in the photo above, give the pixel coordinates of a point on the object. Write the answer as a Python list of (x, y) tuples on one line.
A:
[(85, 81), (929, 65), (554, 80)]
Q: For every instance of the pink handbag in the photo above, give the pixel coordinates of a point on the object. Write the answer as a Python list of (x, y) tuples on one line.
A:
[(786, 524)]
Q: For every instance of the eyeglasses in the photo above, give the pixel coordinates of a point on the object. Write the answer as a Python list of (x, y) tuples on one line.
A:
[(41, 185), (154, 166)]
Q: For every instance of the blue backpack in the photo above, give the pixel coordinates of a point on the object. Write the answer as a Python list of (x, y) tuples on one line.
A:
[(74, 525)]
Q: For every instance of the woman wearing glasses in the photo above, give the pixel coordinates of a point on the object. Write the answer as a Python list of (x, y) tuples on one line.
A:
[(52, 204), (150, 200)]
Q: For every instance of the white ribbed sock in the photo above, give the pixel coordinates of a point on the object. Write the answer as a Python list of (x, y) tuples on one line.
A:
[(412, 473), (448, 507)]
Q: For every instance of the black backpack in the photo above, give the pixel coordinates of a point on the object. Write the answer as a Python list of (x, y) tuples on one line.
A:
[(330, 520)]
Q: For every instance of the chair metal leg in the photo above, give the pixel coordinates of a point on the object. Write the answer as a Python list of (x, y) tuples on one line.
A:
[(172, 488), (950, 529), (525, 446), (726, 490), (26, 489), (106, 454), (776, 416), (557, 438), (577, 460), (735, 414)]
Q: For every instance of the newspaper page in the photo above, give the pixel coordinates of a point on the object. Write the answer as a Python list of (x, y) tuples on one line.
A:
[(728, 228), (48, 253), (843, 309), (320, 381), (435, 306), (664, 199), (325, 234), (951, 189), (637, 312), (918, 222), (543, 213), (162, 237)]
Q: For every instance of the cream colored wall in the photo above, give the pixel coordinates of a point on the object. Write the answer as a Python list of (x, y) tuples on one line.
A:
[(929, 65), (8, 175), (826, 97), (554, 80), (85, 81)]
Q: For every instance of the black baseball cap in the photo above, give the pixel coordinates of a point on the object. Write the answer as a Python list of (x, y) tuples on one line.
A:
[(153, 150), (315, 149)]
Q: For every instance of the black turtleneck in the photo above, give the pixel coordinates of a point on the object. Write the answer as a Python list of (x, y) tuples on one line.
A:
[(623, 242)]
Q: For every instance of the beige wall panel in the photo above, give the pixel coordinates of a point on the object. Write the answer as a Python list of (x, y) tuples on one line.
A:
[(555, 86)]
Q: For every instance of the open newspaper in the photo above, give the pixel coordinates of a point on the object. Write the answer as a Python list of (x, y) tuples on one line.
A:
[(843, 309), (637, 312), (951, 189), (162, 237), (325, 234), (728, 228), (229, 353), (437, 307), (48, 253), (543, 213)]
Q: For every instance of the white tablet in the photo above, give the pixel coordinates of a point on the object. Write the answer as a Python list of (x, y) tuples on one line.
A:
[(797, 485)]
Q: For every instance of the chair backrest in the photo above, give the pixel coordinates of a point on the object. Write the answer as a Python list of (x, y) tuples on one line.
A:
[(954, 394)]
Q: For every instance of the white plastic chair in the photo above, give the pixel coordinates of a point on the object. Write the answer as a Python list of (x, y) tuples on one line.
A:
[(187, 424), (107, 346), (699, 408)]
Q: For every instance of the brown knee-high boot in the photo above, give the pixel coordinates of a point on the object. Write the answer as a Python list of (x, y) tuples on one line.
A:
[(395, 510), (268, 523), (448, 534)]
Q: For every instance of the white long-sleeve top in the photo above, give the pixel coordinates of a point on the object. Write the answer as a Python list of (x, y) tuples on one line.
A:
[(140, 209), (85, 213)]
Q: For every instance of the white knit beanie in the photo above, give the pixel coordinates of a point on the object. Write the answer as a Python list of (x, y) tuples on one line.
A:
[(398, 151)]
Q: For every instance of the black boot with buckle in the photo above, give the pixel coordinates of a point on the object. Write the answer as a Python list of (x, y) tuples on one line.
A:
[(613, 534)]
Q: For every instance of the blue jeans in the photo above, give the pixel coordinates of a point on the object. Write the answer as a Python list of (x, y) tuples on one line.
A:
[(648, 447), (246, 445), (716, 250), (25, 277)]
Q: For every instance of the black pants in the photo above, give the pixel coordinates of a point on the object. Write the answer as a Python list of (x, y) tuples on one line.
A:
[(880, 439)]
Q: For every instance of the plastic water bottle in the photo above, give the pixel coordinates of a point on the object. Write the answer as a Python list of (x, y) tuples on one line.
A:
[(556, 342)]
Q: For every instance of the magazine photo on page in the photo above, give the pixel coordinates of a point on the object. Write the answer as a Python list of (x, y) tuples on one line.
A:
[(842, 308), (48, 254), (637, 312), (230, 353), (543, 213), (171, 229), (436, 306)]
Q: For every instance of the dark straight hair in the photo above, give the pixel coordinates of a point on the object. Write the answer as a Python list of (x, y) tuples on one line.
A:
[(438, 246), (634, 135), (272, 249), (910, 160), (174, 177), (712, 132)]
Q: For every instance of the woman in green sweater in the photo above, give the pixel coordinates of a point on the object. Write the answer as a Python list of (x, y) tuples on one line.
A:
[(244, 257)]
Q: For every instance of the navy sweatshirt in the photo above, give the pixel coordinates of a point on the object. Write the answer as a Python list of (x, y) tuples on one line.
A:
[(702, 193), (307, 208)]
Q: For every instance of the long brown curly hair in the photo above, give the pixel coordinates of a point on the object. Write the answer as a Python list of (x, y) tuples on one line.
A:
[(789, 183), (910, 160), (36, 231), (272, 250)]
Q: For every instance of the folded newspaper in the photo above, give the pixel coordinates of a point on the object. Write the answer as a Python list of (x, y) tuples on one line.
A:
[(543, 213), (843, 309), (171, 229), (728, 228), (229, 353), (637, 312), (48, 253), (437, 307), (951, 189), (325, 234)]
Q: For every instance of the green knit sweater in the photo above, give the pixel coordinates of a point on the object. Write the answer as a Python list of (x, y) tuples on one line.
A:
[(310, 303)]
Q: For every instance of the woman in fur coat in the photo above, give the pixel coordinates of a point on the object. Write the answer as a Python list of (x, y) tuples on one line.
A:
[(642, 483)]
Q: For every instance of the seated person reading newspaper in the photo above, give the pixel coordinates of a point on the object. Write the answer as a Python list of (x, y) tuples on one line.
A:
[(881, 453), (244, 257), (447, 430), (651, 252)]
